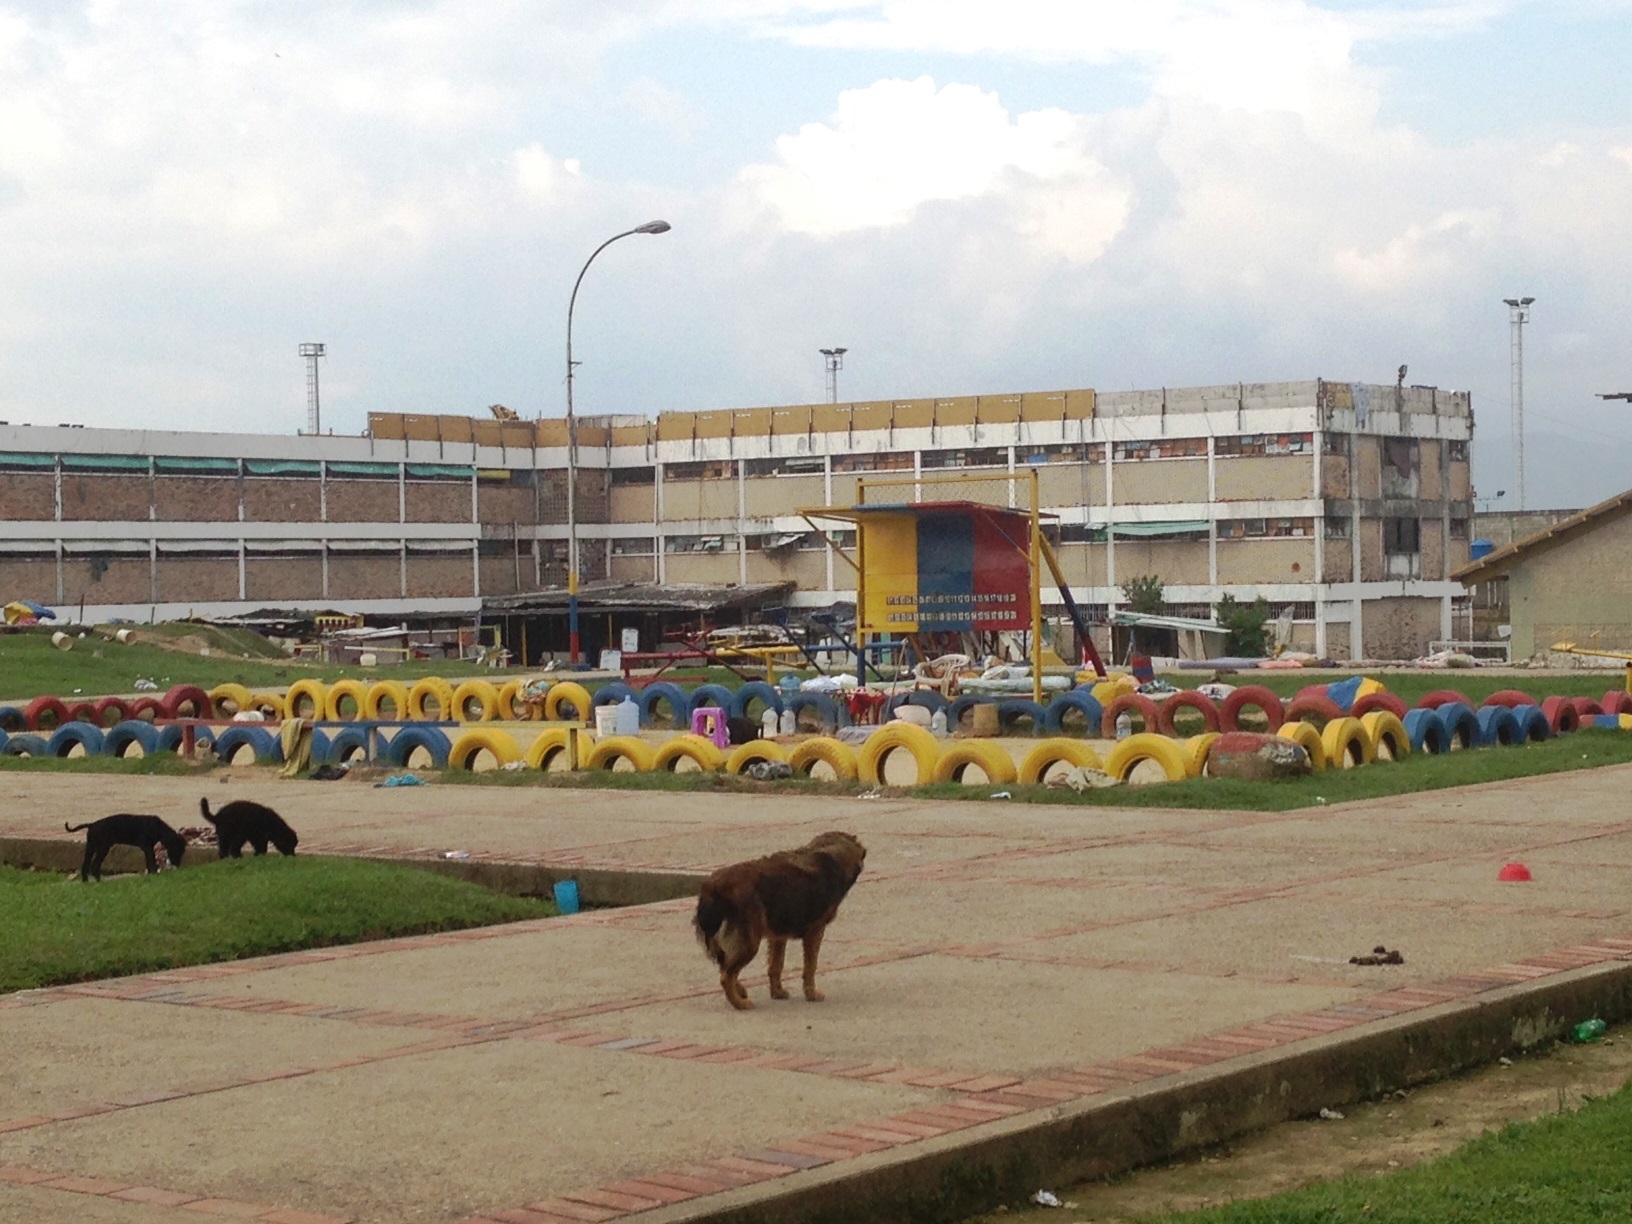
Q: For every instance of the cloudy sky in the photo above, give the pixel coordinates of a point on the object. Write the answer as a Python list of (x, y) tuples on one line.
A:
[(971, 196)]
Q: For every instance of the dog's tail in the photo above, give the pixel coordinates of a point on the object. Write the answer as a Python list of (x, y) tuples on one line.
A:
[(204, 807), (75, 828), (713, 911)]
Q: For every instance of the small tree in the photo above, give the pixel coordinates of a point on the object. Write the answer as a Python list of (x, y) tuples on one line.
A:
[(1144, 594), (1245, 625)]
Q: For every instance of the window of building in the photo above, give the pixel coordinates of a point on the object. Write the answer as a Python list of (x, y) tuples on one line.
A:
[(1333, 443), (1459, 529), (1458, 448), (1402, 536), (633, 476), (1160, 448), (700, 543), (787, 465), (1264, 444), (632, 546), (1337, 527), (713, 469)]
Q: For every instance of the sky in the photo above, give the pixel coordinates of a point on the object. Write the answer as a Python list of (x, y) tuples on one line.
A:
[(971, 197)]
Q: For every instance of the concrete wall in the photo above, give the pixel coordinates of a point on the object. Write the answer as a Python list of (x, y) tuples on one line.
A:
[(1062, 485), (107, 498), (1399, 628), (1264, 560), (282, 500), (1175, 562), (703, 567), (1339, 561), (1580, 590), (1371, 550), (1262, 477), (1366, 477), (699, 499), (506, 503), (365, 501), (634, 503), (185, 579), (1337, 641), (196, 499), (1084, 564), (634, 569), (770, 496), (807, 567), (1433, 548), (1153, 481), (1334, 476)]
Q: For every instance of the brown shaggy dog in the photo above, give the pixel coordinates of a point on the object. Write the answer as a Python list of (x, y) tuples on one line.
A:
[(790, 895)]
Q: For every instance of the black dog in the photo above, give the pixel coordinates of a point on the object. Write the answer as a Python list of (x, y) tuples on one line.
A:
[(244, 821), (742, 730), (124, 829)]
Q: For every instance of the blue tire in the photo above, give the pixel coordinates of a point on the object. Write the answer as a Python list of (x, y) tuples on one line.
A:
[(1077, 700), (754, 690), (12, 720), (928, 699), (1498, 727), (612, 694), (961, 706), (830, 715), (75, 735), (321, 747), (401, 746), (24, 745), (347, 744), (1533, 724), (171, 739), (1015, 708), (710, 695), (1427, 732), (671, 694), (119, 738), (266, 746), (1603, 722), (1461, 724)]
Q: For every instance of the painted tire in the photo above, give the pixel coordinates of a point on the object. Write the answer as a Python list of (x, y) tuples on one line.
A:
[(1511, 698), (614, 748), (1497, 727), (1346, 744), (1011, 711), (45, 714), (147, 709), (476, 701), (306, 693), (399, 749), (345, 745), (24, 745), (1616, 701), (171, 738), (1385, 731), (1425, 731), (1561, 715), (1444, 697), (509, 697), (989, 758), (840, 758), (544, 750), (1373, 703), (481, 739), (266, 747), (1532, 723), (1461, 726), (1063, 704), (674, 697), (1195, 751), (1586, 707), (181, 696), (829, 716), (1136, 749), (1133, 703), (754, 690), (104, 706), (228, 699), (571, 694), (962, 705), (84, 712), (1187, 699), (1259, 698), (423, 692), (384, 692), (1304, 734), (710, 695), (121, 736), (613, 694), (917, 743), (341, 690), (698, 749), (82, 735), (1312, 709), (744, 755), (1057, 750), (12, 720), (270, 704), (928, 699)]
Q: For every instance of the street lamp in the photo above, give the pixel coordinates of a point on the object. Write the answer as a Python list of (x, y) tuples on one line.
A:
[(1518, 311), (834, 358), (651, 227)]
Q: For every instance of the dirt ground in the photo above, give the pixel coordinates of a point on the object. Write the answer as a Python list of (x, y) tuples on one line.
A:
[(1374, 1138)]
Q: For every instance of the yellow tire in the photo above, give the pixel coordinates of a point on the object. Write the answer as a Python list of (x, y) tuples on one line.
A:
[(425, 691), (339, 691), (991, 759), (552, 746), (1303, 733), (306, 699), (1347, 744), (699, 750), (1387, 735), (1147, 746), (387, 701), (1195, 752), (270, 704), (478, 739), (614, 748), (510, 707), (476, 701), (919, 744), (1057, 750), (569, 694), (744, 755), (823, 750), (234, 695)]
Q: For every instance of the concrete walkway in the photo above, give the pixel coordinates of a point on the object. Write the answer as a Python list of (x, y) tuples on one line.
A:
[(998, 967)]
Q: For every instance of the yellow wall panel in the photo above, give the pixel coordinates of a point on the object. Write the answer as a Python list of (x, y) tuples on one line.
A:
[(889, 546), (795, 420), (1043, 406), (914, 414), (998, 409)]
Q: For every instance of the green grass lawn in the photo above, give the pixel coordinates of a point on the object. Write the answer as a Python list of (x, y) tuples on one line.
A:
[(57, 929), (1565, 1169)]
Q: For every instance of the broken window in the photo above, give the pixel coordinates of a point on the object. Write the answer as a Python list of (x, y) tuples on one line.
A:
[(1402, 536)]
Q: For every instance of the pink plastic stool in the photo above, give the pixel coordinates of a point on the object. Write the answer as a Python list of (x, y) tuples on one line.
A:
[(709, 722)]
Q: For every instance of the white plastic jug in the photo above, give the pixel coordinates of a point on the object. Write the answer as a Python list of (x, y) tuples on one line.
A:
[(628, 717), (767, 724), (937, 722), (790, 722)]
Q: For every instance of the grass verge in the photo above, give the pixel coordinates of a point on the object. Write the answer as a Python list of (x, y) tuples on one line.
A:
[(58, 930), (160, 764)]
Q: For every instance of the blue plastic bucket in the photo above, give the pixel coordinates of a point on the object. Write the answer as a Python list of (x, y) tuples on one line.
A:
[(566, 896)]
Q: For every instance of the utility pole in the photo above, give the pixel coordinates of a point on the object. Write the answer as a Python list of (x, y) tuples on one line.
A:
[(1518, 312)]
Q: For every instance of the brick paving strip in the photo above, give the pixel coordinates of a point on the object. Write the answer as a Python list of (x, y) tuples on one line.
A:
[(221, 1208)]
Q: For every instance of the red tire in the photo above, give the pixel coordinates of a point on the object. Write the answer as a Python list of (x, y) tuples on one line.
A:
[(1511, 698), (180, 697), (1136, 704), (148, 709), (1561, 714), (1616, 701), (1441, 697), (45, 714), (82, 712), (1257, 696), (1317, 710), (1187, 699), (1312, 690), (1372, 702), (114, 706), (1585, 707)]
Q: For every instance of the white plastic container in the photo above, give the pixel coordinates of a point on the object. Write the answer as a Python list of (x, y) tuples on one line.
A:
[(768, 723), (606, 721), (789, 722), (628, 720)]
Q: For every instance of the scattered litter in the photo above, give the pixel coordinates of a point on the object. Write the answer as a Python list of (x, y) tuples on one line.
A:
[(1506, 1062), (770, 771), (456, 854), (872, 794), (78, 691), (1045, 1198), (1330, 1115), (198, 835), (328, 773), (512, 766), (400, 780), (1320, 798), (1587, 1030), (1001, 795), (1513, 873), (1080, 779), (249, 716), (144, 685), (1379, 956)]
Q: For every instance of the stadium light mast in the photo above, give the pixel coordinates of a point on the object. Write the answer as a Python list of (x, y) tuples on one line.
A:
[(314, 413), (1518, 313), (834, 358)]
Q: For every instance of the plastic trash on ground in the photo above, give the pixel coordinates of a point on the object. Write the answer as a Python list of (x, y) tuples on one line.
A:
[(1045, 1198)]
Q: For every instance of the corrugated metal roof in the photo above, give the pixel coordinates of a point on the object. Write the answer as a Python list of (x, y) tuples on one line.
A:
[(642, 597)]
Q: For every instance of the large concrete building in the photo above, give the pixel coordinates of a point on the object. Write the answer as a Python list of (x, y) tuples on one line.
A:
[(1346, 504)]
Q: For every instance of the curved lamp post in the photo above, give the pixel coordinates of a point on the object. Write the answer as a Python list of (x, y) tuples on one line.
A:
[(651, 227)]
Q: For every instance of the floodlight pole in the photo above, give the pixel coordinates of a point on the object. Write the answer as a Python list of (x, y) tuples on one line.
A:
[(1518, 312), (834, 359)]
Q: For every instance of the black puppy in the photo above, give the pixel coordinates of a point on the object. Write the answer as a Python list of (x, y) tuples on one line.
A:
[(244, 821), (125, 829), (742, 730)]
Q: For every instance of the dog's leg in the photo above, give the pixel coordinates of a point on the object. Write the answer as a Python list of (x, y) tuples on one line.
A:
[(813, 946), (151, 859), (88, 863), (773, 965), (737, 950)]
